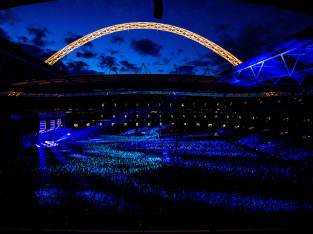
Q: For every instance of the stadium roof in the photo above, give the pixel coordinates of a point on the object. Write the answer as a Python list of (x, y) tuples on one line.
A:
[(287, 63)]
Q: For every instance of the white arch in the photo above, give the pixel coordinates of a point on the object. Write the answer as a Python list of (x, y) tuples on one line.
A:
[(143, 25)]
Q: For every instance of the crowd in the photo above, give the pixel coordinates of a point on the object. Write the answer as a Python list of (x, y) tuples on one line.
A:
[(154, 172), (276, 147)]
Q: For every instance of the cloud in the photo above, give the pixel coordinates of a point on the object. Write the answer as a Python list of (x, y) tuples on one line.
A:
[(210, 64), (128, 67), (86, 54), (251, 40), (79, 68), (77, 65), (179, 51), (146, 47), (114, 69), (4, 34), (73, 37), (85, 49), (165, 60), (157, 63), (107, 61), (36, 52), (183, 70), (39, 34), (222, 28), (112, 52), (117, 39), (200, 63), (72, 68), (8, 16), (41, 54), (22, 39)]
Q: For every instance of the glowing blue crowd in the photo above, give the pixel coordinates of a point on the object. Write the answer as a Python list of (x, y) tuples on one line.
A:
[(275, 147), (140, 165)]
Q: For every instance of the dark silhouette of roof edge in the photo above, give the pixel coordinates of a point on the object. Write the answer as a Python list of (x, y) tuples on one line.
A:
[(5, 4)]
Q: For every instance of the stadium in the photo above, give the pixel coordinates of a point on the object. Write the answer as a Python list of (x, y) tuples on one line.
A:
[(209, 145)]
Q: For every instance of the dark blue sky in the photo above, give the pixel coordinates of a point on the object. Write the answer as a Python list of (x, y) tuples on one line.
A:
[(244, 29)]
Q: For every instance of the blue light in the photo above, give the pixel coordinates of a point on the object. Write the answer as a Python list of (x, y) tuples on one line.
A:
[(275, 147), (42, 125), (122, 160), (273, 66), (42, 161), (59, 155), (52, 124)]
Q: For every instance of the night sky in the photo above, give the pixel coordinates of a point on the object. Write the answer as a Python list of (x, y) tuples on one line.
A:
[(244, 29)]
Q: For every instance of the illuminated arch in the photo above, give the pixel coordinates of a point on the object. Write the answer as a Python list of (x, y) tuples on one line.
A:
[(143, 25)]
